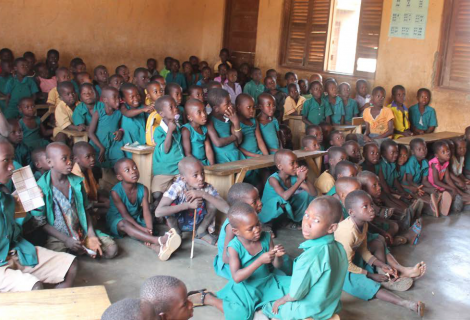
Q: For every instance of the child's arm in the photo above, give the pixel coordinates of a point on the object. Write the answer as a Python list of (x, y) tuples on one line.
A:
[(216, 140), (209, 151), (133, 112), (46, 133), (240, 275), (169, 136), (229, 235), (94, 138), (308, 185), (416, 131), (287, 194), (146, 211), (235, 128), (367, 133), (445, 183), (248, 153), (383, 183), (430, 129), (389, 131), (166, 209), (259, 140), (413, 187), (449, 182), (70, 243), (400, 189), (92, 242), (186, 137), (305, 120), (123, 212), (218, 202), (279, 251)]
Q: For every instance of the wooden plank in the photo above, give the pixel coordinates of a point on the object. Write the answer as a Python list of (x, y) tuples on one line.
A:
[(430, 137), (142, 157), (55, 304), (297, 128)]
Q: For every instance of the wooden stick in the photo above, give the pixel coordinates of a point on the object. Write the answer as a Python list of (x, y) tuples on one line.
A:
[(194, 234)]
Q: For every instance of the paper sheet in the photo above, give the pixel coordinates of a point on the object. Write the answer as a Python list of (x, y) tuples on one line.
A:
[(28, 190), (409, 18)]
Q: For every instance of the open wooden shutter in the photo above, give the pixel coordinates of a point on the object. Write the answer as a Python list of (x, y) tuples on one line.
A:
[(456, 68), (318, 34), (297, 13), (368, 34)]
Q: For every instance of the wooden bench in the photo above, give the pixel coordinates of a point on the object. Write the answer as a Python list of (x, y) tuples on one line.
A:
[(430, 137), (55, 304), (50, 110), (77, 136), (142, 157)]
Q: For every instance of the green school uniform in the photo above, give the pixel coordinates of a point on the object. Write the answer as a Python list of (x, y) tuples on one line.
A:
[(332, 191), (254, 89), (198, 148), (76, 88), (22, 154), (401, 173), (359, 285), (241, 300), (18, 90), (81, 114), (307, 96), (98, 90), (227, 153), (37, 175), (389, 171), (295, 207), (107, 125), (376, 167), (167, 163), (11, 235), (113, 217), (284, 89), (134, 129), (337, 109), (269, 131), (316, 283), (425, 120), (316, 113), (179, 78), (32, 137), (3, 84), (249, 142), (351, 110), (416, 170), (221, 268)]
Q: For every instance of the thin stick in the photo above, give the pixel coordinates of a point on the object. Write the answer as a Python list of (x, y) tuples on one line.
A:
[(194, 234)]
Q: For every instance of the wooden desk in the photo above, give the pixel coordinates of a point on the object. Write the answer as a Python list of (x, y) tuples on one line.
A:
[(50, 110), (55, 304), (77, 135), (297, 127), (142, 157), (346, 129), (430, 137)]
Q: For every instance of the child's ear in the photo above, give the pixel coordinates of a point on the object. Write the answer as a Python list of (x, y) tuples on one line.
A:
[(119, 177), (351, 212), (332, 228), (163, 316), (49, 163), (235, 231)]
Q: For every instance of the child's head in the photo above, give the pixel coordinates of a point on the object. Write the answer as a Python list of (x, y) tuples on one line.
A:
[(16, 133), (316, 89), (353, 150), (7, 67), (321, 217), (246, 193), (67, 93), (270, 83), (219, 100), (418, 148), (467, 134), (151, 64), (203, 64), (232, 75), (126, 170), (192, 172), (101, 74), (359, 206), (130, 309), (21, 67), (378, 97), (315, 131), (244, 69), (83, 77), (335, 155), (169, 297), (223, 68), (154, 90), (336, 138), (351, 136), (293, 90), (441, 151), (7, 155), (110, 97), (194, 61), (141, 77), (460, 147), (271, 73), (285, 135), (244, 221), (267, 104), (124, 72), (30, 58), (40, 68), (224, 54), (451, 145), (116, 81), (206, 73), (256, 74), (77, 65), (167, 62), (166, 108), (130, 94), (370, 183), (27, 107), (84, 155), (398, 94), (38, 159), (196, 92), (59, 158), (175, 66), (6, 54), (310, 143), (362, 88), (331, 88), (346, 185), (389, 150), (206, 87), (290, 77), (52, 58), (245, 105), (371, 153), (424, 96), (160, 80), (403, 154), (345, 168), (316, 77), (303, 86), (62, 74), (344, 90), (326, 129), (286, 162), (175, 91), (195, 112)]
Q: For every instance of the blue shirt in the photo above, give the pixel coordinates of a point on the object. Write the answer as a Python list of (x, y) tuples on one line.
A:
[(425, 120), (179, 79), (18, 90)]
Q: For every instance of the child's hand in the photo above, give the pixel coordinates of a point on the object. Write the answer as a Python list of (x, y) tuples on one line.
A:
[(118, 135), (101, 155), (81, 127), (267, 257), (232, 115), (378, 277), (279, 250), (193, 194), (149, 108), (420, 191), (302, 173), (393, 273), (93, 243), (73, 245), (277, 304), (171, 126), (196, 203)]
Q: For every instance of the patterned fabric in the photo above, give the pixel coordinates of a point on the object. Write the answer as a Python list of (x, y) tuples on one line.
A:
[(65, 212)]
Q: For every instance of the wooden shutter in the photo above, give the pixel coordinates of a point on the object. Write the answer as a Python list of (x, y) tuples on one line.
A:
[(318, 34), (456, 67), (297, 13), (368, 34)]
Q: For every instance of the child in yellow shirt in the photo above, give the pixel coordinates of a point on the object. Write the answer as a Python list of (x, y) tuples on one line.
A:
[(153, 91)]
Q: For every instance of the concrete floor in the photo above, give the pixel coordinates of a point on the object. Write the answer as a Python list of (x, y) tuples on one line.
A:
[(444, 246)]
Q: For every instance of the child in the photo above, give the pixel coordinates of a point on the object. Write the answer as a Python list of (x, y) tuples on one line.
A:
[(52, 61), (268, 124), (83, 77), (254, 88), (371, 155), (129, 212), (326, 129), (316, 110), (5, 75), (334, 102), (319, 271), (191, 77), (403, 156), (222, 71), (64, 111), (39, 161), (362, 95), (290, 77), (152, 66), (128, 308), (344, 168), (287, 191), (175, 91), (154, 91), (279, 96), (167, 69), (101, 78), (84, 110), (17, 87), (224, 55), (294, 102), (34, 132), (248, 194), (196, 142), (316, 132), (168, 296), (423, 117), (351, 109), (379, 120), (316, 77), (360, 281), (76, 66), (116, 81), (253, 144), (326, 180), (336, 138), (62, 74), (22, 152), (174, 76), (206, 76), (141, 78), (233, 88), (190, 195), (304, 89), (250, 254), (310, 143), (31, 59), (285, 137), (124, 72), (105, 130), (353, 150), (457, 164), (401, 120), (223, 127), (24, 267), (67, 210), (196, 92)]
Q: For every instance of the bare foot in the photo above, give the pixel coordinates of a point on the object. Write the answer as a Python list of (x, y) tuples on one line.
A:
[(415, 272)]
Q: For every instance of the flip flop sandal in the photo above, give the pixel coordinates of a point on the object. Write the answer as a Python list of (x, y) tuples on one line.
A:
[(445, 203), (194, 292), (200, 239), (418, 208), (416, 229), (421, 307), (399, 241), (401, 284), (435, 204), (172, 244)]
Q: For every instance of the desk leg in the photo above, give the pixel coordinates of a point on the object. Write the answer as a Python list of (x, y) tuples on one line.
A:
[(314, 165), (222, 184), (358, 129), (82, 138), (144, 163)]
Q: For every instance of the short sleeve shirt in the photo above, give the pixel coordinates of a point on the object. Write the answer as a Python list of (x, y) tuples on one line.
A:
[(351, 110), (379, 124), (416, 170), (337, 109), (63, 117), (425, 120), (316, 113), (290, 106), (401, 121), (389, 170)]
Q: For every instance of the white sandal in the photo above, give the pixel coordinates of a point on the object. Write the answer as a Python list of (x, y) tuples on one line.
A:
[(172, 244)]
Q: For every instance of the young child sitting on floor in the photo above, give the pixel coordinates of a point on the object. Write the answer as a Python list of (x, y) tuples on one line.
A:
[(353, 150), (310, 143), (294, 102), (101, 78), (268, 124), (457, 163), (319, 271), (35, 134), (15, 137), (351, 109), (326, 180), (190, 195), (154, 91), (379, 120), (129, 212), (360, 280), (64, 111), (251, 253), (316, 110), (196, 92), (67, 210), (344, 168), (84, 110), (248, 194), (62, 74), (316, 132), (39, 162), (128, 308), (194, 133), (116, 81), (287, 191), (334, 102), (423, 117)]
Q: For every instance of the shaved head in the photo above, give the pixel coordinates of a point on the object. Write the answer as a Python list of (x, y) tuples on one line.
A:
[(159, 291), (130, 309), (238, 191), (346, 185), (238, 212), (192, 104), (280, 155), (187, 163), (54, 147), (354, 197), (163, 101), (328, 207), (108, 90)]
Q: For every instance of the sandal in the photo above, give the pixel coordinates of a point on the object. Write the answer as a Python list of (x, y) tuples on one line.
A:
[(193, 296), (445, 203), (435, 204), (172, 244), (399, 241), (201, 240), (420, 309), (401, 284), (416, 228)]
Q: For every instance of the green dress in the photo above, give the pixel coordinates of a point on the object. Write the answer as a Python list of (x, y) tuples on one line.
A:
[(107, 125), (269, 132), (31, 137), (229, 152), (134, 129), (249, 142), (81, 114), (241, 300), (3, 83), (27, 87), (113, 217), (294, 207), (167, 163), (221, 268), (198, 149), (22, 154)]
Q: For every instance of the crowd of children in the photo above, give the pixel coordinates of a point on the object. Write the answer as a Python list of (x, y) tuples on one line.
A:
[(362, 202)]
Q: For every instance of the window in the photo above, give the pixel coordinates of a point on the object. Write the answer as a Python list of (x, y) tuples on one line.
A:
[(336, 36), (455, 46)]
